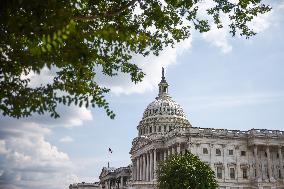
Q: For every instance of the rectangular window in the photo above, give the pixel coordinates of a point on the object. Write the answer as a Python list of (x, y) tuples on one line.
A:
[(231, 152), (218, 152), (245, 173), (150, 129), (254, 172), (205, 151), (219, 172), (159, 128), (243, 153), (232, 173)]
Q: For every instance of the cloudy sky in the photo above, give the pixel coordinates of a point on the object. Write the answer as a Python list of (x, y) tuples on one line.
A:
[(220, 81)]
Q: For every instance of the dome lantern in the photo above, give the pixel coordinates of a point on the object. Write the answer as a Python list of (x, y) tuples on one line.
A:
[(163, 85)]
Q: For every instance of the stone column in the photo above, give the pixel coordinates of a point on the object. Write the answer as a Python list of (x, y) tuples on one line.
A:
[(196, 148), (269, 166), (173, 150), (155, 163), (137, 168), (169, 151), (178, 148), (238, 167), (189, 146), (256, 163), (165, 154), (121, 181), (134, 169), (140, 168), (151, 165), (147, 167), (144, 167), (281, 162)]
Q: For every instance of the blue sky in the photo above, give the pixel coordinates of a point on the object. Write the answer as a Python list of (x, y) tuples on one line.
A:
[(220, 81)]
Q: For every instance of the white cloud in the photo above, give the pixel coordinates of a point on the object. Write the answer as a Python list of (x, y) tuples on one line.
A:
[(263, 21), (220, 37), (281, 6), (151, 66), (66, 139), (27, 160), (69, 116), (217, 37), (44, 77), (3, 149)]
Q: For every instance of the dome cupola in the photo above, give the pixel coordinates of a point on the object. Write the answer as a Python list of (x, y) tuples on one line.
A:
[(163, 114)]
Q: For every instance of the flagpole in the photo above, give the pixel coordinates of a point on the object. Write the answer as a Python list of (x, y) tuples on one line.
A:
[(110, 152)]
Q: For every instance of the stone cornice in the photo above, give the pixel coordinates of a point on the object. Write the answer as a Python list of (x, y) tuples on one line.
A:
[(225, 133)]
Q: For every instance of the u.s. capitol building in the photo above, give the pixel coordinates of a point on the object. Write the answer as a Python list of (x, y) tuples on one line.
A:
[(240, 159)]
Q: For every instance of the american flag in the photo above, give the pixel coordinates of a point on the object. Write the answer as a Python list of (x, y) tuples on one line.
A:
[(110, 150)]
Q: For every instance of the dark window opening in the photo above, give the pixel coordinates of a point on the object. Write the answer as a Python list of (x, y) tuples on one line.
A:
[(219, 172), (218, 152), (165, 89), (232, 173), (245, 173)]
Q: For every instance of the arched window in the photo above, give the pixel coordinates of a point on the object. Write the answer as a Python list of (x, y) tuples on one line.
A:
[(218, 152)]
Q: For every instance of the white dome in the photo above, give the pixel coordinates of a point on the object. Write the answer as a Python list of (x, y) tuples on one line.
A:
[(164, 106), (163, 114)]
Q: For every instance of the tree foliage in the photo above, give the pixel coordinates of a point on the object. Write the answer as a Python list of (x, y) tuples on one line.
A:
[(79, 38), (185, 171)]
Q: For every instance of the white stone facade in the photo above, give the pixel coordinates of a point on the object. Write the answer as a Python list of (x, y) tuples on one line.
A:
[(84, 185), (231, 154), (115, 178), (240, 159)]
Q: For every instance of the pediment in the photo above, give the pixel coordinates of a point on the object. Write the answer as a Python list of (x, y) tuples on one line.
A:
[(140, 142)]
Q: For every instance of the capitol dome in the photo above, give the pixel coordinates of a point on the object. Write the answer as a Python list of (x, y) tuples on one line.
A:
[(163, 106), (163, 114)]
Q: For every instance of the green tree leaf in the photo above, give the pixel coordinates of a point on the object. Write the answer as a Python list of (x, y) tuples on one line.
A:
[(81, 38)]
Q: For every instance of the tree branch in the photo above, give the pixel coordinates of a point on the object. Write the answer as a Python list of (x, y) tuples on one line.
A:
[(107, 14)]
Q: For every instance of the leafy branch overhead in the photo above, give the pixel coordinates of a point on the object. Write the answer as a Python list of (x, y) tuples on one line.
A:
[(79, 38)]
